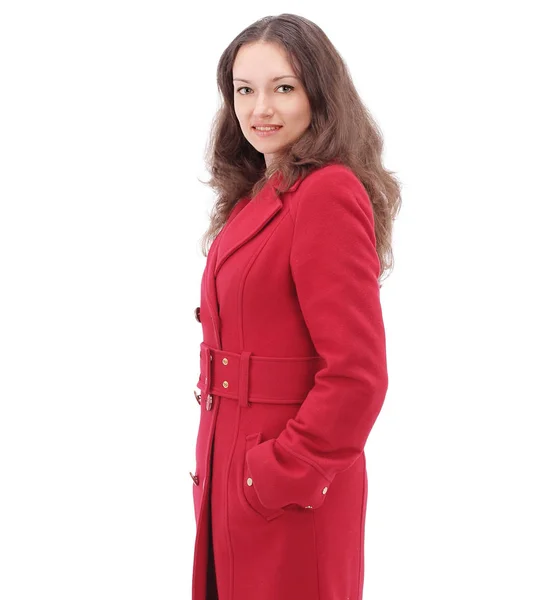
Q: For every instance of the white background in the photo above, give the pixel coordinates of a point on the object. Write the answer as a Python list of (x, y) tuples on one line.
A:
[(104, 117)]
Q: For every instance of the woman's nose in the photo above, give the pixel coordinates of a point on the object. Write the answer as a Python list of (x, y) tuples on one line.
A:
[(262, 105)]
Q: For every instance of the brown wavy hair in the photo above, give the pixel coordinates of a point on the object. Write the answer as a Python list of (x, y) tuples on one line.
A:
[(341, 130)]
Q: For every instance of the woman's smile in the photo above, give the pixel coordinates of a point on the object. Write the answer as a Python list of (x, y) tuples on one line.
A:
[(265, 131)]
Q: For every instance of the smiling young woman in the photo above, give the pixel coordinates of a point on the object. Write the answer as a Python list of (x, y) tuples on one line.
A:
[(293, 367), (274, 101)]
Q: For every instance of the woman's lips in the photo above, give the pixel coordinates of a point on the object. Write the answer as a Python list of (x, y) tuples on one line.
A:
[(266, 133)]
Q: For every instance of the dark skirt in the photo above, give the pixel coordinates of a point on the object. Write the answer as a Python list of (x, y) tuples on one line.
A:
[(212, 591)]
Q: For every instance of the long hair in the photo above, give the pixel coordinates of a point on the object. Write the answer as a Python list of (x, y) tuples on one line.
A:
[(341, 130)]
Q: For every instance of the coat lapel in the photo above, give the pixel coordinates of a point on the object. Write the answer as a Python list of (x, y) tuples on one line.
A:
[(250, 220), (244, 225)]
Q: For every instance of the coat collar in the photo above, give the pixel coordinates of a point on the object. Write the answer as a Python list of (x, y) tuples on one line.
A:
[(256, 213)]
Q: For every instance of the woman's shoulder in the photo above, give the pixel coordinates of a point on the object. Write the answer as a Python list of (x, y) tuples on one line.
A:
[(329, 192), (331, 174), (331, 180)]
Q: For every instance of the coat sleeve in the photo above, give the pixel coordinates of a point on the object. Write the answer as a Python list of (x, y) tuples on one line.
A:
[(335, 269)]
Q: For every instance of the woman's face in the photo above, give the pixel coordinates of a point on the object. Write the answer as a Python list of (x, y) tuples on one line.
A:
[(266, 92)]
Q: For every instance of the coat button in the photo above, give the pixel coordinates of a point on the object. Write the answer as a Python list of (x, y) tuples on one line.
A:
[(249, 481), (308, 507), (325, 490), (224, 361), (198, 313), (225, 384)]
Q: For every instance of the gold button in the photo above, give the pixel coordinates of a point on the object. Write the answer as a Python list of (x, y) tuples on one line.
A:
[(325, 490), (225, 384), (249, 481), (308, 507), (224, 361)]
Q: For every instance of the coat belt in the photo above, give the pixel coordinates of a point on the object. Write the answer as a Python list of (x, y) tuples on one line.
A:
[(251, 378)]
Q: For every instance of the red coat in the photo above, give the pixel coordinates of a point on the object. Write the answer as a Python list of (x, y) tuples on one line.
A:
[(293, 376)]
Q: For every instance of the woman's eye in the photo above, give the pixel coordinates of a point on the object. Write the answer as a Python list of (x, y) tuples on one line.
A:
[(248, 88)]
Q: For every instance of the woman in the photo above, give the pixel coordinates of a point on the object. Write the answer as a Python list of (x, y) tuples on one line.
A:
[(293, 361)]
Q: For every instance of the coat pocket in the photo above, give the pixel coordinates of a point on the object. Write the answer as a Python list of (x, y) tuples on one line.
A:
[(248, 485)]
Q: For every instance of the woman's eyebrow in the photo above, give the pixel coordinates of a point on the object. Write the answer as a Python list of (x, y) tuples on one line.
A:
[(274, 79)]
